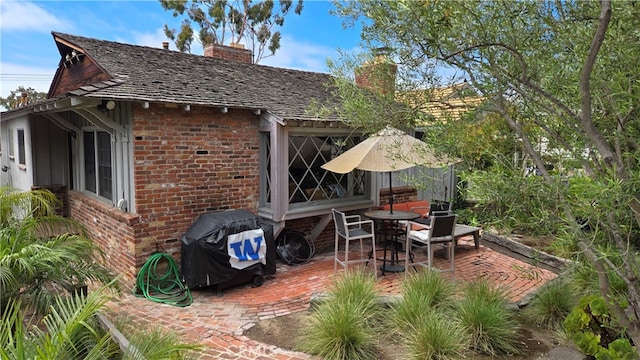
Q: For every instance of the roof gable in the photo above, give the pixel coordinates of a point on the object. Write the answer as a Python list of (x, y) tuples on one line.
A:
[(75, 70)]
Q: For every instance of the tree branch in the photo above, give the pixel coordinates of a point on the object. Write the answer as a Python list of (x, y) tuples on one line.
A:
[(514, 51), (585, 86)]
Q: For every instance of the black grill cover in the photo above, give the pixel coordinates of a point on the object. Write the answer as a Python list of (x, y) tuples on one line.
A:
[(206, 249)]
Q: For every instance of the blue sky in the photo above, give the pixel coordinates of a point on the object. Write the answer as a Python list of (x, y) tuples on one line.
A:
[(29, 57)]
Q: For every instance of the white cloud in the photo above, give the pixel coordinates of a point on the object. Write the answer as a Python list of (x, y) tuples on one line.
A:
[(153, 39), (15, 75), (27, 16), (294, 54), (156, 38)]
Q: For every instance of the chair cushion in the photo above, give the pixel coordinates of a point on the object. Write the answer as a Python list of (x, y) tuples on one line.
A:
[(358, 232), (420, 235), (423, 236)]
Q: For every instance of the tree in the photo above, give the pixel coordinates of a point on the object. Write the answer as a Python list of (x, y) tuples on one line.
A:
[(562, 76), (216, 19), (20, 97)]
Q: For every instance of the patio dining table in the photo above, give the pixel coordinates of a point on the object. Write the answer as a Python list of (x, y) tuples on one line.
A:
[(389, 228)]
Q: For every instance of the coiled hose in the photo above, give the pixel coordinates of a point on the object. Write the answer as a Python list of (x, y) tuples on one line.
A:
[(158, 280)]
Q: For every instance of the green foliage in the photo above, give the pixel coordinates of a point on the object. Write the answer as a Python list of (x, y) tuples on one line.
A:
[(551, 305), (481, 140), (583, 280), (555, 79), (71, 331), (44, 258), (590, 327), (619, 349), (484, 316), (343, 326), (356, 286), (156, 343), (21, 97), (509, 201), (43, 255), (423, 318), (422, 292), (434, 324), (436, 336), (215, 19)]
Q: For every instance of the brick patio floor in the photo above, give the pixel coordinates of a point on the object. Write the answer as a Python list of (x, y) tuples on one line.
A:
[(219, 322)]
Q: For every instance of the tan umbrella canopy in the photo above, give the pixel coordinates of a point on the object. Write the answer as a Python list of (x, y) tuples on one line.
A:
[(388, 150)]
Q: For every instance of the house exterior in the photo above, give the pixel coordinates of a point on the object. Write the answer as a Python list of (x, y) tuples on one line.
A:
[(138, 141)]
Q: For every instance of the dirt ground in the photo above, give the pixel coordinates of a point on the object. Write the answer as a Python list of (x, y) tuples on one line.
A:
[(284, 331)]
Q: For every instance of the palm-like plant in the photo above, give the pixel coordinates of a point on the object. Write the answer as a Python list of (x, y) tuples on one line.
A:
[(42, 254), (70, 331)]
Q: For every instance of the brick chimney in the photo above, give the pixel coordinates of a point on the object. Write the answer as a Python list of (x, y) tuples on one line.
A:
[(235, 52), (378, 75)]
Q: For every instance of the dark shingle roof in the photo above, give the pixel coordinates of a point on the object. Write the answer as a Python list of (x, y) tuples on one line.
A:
[(159, 75)]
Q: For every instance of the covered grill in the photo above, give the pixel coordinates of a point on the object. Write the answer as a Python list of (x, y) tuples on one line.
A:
[(226, 249)]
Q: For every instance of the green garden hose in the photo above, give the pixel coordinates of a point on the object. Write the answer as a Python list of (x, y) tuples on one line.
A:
[(159, 281)]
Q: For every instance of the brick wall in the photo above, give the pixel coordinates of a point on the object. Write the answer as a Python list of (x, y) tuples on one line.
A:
[(60, 191), (324, 241), (113, 230), (400, 194), (378, 76), (188, 163)]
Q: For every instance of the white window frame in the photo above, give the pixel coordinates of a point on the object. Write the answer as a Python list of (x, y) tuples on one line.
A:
[(22, 147), (99, 192), (11, 148)]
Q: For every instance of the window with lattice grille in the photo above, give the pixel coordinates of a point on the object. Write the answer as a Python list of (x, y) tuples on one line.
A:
[(307, 181)]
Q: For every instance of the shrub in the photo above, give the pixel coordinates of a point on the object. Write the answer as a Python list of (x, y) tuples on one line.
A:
[(590, 327), (512, 202), (492, 328), (156, 343), (343, 326), (422, 317), (551, 305), (421, 292), (437, 336)]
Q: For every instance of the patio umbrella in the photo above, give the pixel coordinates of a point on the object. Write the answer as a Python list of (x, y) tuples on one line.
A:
[(388, 150)]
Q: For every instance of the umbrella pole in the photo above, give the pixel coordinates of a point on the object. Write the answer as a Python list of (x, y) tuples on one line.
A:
[(390, 195)]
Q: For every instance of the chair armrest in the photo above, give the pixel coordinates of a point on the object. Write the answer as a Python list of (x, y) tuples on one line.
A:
[(358, 224), (347, 217)]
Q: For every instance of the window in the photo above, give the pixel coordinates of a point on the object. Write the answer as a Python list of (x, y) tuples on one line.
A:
[(22, 157), (307, 181), (11, 142), (98, 175)]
